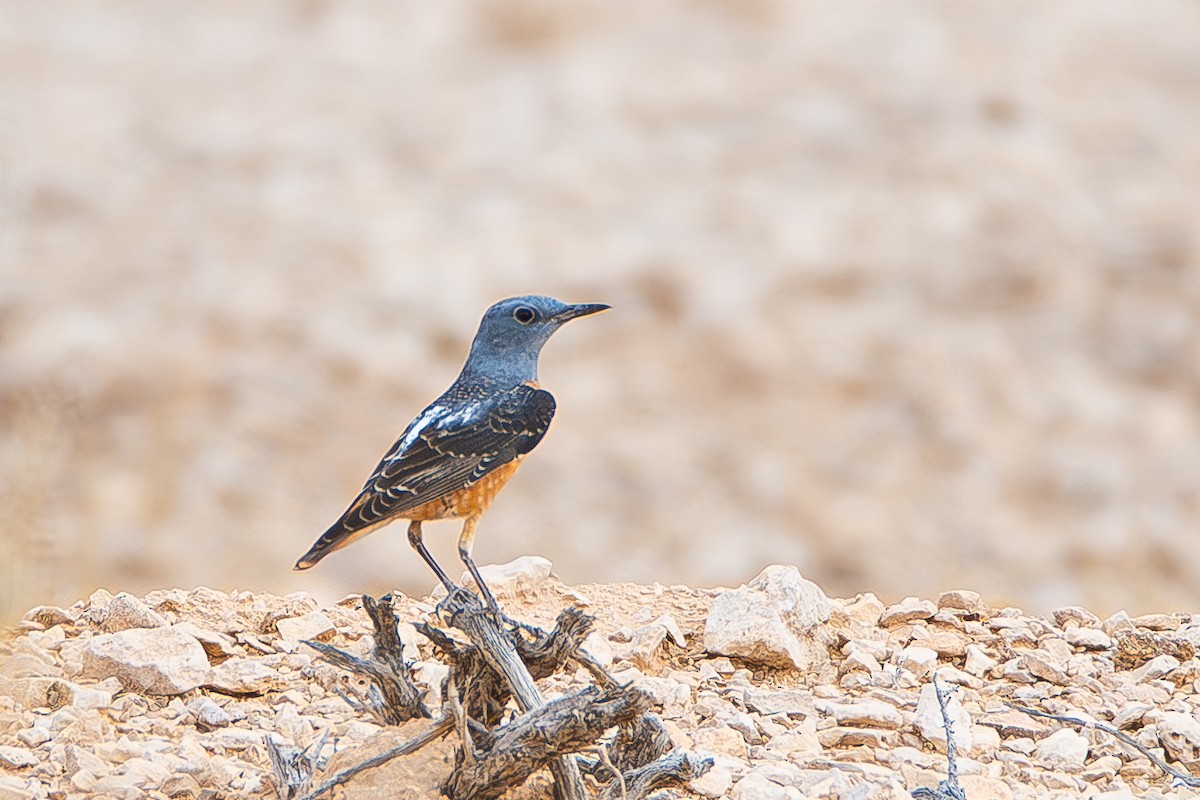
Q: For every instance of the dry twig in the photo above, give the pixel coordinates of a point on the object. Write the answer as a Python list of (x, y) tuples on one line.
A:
[(949, 789), (1177, 775)]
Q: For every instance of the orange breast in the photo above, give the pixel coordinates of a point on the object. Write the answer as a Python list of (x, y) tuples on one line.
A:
[(467, 502)]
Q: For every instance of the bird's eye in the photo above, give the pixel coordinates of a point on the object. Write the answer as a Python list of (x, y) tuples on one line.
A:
[(524, 314)]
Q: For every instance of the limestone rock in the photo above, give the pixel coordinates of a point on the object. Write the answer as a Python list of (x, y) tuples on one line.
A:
[(16, 757), (1179, 734), (756, 787), (771, 621), (126, 611), (1064, 749), (962, 600), (928, 720), (862, 713), (158, 661), (521, 576), (714, 783), (208, 714), (244, 676), (313, 625), (909, 609)]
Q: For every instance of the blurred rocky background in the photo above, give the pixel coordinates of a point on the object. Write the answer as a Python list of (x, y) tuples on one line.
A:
[(907, 294)]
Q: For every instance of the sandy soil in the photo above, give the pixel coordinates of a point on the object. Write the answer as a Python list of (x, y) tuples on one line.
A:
[(906, 295)]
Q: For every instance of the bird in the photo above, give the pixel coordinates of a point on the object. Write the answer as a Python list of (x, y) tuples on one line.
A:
[(456, 455)]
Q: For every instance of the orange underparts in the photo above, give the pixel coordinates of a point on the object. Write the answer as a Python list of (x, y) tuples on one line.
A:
[(466, 502)]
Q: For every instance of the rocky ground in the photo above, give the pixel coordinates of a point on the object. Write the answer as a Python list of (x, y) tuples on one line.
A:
[(791, 693)]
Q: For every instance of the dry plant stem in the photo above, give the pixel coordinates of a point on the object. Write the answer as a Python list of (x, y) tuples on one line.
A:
[(674, 770), (294, 768), (442, 726), (1181, 777), (949, 789), (394, 697), (540, 737), (496, 646)]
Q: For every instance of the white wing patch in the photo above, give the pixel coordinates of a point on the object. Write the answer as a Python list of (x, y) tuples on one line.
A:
[(460, 417), (428, 417)]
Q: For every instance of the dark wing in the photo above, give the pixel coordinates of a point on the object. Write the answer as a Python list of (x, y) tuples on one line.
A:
[(446, 449)]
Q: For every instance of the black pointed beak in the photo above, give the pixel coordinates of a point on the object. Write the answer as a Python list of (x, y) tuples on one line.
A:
[(579, 310)]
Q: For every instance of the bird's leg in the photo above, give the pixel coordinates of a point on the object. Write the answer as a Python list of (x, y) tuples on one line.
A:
[(466, 541), (414, 538)]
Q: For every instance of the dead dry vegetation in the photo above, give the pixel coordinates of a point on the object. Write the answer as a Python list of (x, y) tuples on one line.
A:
[(789, 694)]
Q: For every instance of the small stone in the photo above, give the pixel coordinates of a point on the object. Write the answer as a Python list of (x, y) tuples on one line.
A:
[(208, 714), (126, 611), (720, 740), (863, 612), (909, 609), (1179, 734), (1130, 715), (714, 783), (917, 660), (1040, 664), (778, 701), (856, 737), (983, 787), (48, 616), (313, 625), (218, 646), (159, 661), (861, 661), (756, 787), (520, 576), (1088, 638), (770, 621), (978, 662), (928, 720), (1104, 768), (244, 676), (962, 600), (1074, 616), (1155, 668), (1157, 622), (16, 757), (34, 736), (862, 713), (1117, 622), (1063, 749)]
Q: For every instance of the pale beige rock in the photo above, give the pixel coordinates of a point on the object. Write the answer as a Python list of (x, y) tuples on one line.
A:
[(927, 720), (982, 787), (920, 661), (313, 625), (16, 757), (714, 783), (1088, 638), (124, 611), (770, 621), (218, 646), (1063, 749), (159, 661), (244, 676), (719, 739), (863, 612), (1179, 734), (962, 600), (862, 713), (208, 715), (1155, 668), (1074, 616), (521, 576), (757, 787), (1042, 665)]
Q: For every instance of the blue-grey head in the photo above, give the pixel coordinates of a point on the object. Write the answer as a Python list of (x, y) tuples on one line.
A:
[(512, 333)]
